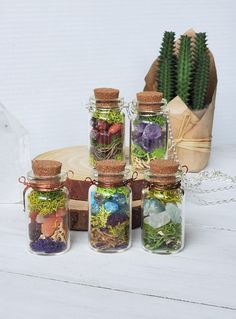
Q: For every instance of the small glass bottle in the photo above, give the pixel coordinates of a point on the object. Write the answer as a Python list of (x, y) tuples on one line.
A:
[(149, 129), (163, 208), (107, 123), (110, 207), (46, 204)]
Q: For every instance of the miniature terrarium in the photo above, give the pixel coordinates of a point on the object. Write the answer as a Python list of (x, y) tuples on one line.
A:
[(163, 208), (46, 204), (107, 125), (110, 200), (149, 129)]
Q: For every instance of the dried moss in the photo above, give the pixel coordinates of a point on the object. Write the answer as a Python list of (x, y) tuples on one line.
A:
[(45, 203), (111, 116), (165, 237), (166, 196)]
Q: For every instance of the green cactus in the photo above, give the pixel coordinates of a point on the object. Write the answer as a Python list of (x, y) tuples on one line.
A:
[(200, 46), (201, 70), (166, 67), (187, 75), (184, 69), (201, 81)]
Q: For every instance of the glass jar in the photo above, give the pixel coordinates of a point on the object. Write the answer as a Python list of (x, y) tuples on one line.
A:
[(110, 207), (163, 208), (107, 126), (149, 129), (46, 204)]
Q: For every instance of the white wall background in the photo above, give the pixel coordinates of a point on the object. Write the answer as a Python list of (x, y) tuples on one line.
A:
[(54, 52)]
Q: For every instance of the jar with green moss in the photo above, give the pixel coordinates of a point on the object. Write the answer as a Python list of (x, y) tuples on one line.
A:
[(149, 129), (163, 208), (110, 207), (46, 204), (107, 126)]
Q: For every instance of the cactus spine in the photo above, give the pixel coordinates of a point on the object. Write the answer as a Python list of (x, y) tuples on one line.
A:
[(186, 75), (166, 69), (201, 70), (184, 69)]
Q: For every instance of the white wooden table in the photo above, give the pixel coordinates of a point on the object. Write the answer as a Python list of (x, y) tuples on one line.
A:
[(199, 282)]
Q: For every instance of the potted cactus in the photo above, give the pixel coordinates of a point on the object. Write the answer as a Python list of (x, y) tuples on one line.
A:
[(185, 72)]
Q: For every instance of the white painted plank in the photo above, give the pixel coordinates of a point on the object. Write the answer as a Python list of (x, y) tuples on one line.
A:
[(204, 272), (25, 297)]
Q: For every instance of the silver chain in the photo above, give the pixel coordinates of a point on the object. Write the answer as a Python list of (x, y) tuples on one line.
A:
[(194, 186)]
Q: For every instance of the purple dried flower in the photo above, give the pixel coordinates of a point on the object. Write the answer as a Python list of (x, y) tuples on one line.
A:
[(47, 246), (122, 246), (115, 219), (34, 230)]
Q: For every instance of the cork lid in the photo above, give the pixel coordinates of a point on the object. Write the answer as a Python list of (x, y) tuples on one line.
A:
[(162, 166), (149, 100), (164, 171), (106, 97), (110, 166), (106, 93), (46, 168)]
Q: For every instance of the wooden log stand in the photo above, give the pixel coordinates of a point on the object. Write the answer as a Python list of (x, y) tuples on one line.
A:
[(76, 159)]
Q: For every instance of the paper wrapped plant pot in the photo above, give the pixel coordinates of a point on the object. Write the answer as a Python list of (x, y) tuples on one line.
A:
[(14, 158), (192, 129)]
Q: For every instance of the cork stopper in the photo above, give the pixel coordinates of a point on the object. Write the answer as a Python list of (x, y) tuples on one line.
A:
[(106, 97), (165, 171), (46, 168), (149, 100), (108, 170)]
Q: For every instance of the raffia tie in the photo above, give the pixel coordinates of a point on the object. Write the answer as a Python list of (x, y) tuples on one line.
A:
[(192, 144)]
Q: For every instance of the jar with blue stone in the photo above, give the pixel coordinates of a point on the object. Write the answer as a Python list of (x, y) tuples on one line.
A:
[(110, 200), (46, 203), (163, 208), (149, 129)]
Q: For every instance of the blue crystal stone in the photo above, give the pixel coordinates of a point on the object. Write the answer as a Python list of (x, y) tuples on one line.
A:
[(174, 212), (111, 207), (119, 199), (152, 206)]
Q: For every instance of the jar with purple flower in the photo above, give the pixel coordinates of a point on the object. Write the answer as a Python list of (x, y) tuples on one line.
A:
[(107, 125), (149, 129), (110, 200), (163, 208), (46, 204)]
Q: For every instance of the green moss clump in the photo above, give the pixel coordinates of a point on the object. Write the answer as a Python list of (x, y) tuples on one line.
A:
[(120, 231), (138, 152), (165, 237), (158, 153), (166, 196), (107, 192), (100, 219), (92, 160), (119, 157), (45, 203), (111, 116), (159, 119)]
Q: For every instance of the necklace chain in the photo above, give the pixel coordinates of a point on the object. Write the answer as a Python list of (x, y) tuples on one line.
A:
[(194, 186)]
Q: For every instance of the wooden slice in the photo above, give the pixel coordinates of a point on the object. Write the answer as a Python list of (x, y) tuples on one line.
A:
[(76, 159)]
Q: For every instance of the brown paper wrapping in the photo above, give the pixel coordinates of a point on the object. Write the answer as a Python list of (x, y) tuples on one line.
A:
[(192, 130)]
